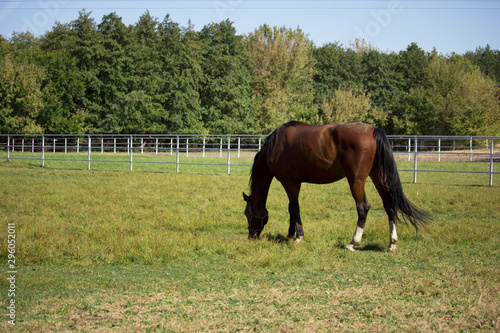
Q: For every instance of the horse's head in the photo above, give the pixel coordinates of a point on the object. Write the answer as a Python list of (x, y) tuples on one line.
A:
[(256, 223)]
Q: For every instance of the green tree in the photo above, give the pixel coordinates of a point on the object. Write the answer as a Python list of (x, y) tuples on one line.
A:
[(225, 94), (21, 97), (455, 98), (111, 60), (4, 47), (412, 65), (62, 38), (282, 67), (347, 105), (384, 83), (336, 67), (141, 107), (488, 61), (63, 94), (81, 41), (183, 76), (64, 89)]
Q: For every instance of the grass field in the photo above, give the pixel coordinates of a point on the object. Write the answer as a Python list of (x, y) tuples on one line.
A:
[(114, 250)]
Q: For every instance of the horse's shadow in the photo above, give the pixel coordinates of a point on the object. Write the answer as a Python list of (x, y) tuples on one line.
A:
[(276, 238), (374, 247), (280, 238)]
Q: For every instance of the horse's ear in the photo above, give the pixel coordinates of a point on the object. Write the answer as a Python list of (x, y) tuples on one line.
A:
[(246, 197)]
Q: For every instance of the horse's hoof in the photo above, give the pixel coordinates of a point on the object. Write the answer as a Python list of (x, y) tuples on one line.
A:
[(350, 247), (392, 248), (299, 239)]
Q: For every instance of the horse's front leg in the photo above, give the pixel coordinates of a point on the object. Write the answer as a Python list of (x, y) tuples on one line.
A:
[(292, 190), (362, 209), (362, 206), (295, 222)]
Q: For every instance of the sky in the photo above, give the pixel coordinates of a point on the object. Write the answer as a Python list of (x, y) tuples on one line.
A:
[(389, 26)]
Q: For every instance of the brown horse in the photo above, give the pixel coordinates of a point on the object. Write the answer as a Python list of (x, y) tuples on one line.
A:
[(297, 152)]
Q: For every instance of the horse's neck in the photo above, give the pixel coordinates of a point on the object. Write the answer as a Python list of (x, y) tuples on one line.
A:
[(261, 182)]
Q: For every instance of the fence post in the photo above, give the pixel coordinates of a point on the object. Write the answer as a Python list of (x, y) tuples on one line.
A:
[(409, 150), (33, 145), (187, 147), (239, 146), (491, 161), (102, 144), (77, 145), (65, 145), (439, 150), (415, 163), (22, 145), (131, 151), (156, 146), (220, 150), (204, 147), (228, 154), (114, 145), (470, 156), (8, 148), (177, 155), (54, 149), (43, 151), (89, 141)]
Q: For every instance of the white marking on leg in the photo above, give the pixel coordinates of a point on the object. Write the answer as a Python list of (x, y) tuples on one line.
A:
[(393, 236), (356, 240), (358, 234), (350, 247)]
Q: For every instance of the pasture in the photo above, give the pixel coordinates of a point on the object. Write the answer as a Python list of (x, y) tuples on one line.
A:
[(114, 250)]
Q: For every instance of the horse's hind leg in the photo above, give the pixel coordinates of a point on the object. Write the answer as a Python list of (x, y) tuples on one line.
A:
[(362, 206), (383, 192)]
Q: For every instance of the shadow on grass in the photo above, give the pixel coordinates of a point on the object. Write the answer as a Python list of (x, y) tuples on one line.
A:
[(280, 238), (368, 247), (372, 247), (276, 238)]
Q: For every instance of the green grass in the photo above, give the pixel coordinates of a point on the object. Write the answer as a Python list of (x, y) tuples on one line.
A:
[(122, 251)]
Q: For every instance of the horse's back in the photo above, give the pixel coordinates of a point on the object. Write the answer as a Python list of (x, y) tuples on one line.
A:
[(302, 136), (316, 153)]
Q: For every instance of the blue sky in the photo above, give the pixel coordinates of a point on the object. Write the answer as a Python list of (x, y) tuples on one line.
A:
[(448, 26)]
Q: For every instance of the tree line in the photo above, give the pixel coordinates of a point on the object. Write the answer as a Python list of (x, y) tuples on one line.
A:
[(160, 77)]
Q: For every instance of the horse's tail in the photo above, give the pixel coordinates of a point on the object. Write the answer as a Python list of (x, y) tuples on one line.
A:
[(388, 178)]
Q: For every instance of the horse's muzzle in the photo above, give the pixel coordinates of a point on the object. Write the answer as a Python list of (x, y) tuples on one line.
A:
[(254, 234)]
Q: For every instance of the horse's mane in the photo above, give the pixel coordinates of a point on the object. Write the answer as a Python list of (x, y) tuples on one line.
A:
[(268, 145)]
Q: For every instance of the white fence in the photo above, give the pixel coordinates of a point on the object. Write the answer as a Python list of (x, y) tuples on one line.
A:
[(412, 148)]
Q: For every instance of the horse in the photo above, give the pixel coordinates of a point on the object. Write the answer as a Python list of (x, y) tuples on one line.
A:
[(296, 153)]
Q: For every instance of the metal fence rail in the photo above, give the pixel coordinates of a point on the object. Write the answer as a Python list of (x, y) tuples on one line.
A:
[(411, 148)]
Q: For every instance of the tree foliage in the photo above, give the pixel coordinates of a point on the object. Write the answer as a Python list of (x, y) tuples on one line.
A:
[(225, 94), (21, 96), (156, 76), (455, 98), (282, 67)]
